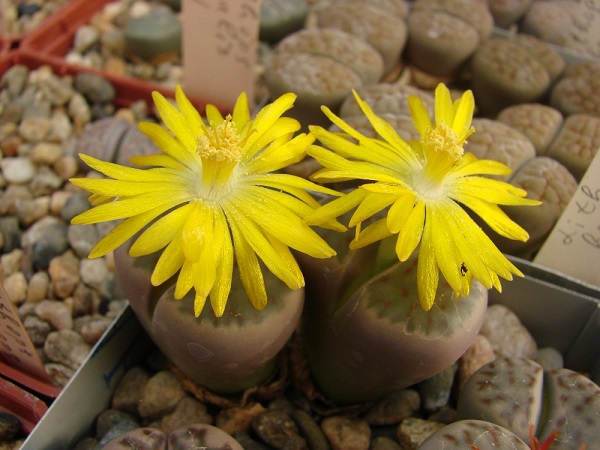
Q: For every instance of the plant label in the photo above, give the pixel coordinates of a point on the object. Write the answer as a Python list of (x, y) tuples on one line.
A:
[(573, 247), (219, 45)]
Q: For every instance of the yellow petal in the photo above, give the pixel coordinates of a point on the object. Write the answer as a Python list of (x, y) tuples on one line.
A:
[(335, 208), (175, 121), (169, 144), (419, 114), (400, 211), (197, 230), (129, 207), (277, 157), (120, 172), (495, 218), (199, 302), (371, 204), (463, 115), (444, 110), (241, 112), (267, 116), (191, 114), (283, 128), (169, 262), (185, 280), (480, 167), (250, 272), (224, 274), (427, 271), (161, 232), (410, 235), (447, 256), (125, 230), (161, 160), (204, 273), (213, 115), (372, 233), (387, 132)]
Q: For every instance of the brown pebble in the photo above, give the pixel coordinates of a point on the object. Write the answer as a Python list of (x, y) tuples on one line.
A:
[(345, 433), (277, 429)]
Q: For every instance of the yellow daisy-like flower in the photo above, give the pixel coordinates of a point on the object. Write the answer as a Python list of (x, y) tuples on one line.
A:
[(212, 199), (424, 185)]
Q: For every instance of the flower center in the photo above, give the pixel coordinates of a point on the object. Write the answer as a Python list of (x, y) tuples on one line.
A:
[(442, 151), (220, 149)]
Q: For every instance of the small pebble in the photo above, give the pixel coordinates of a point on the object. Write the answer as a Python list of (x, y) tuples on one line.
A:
[(17, 170), (10, 426), (108, 419), (549, 358), (15, 286), (394, 408), (56, 313), (277, 429), (64, 274), (479, 353), (344, 433), (311, 431), (507, 334), (188, 411), (161, 394), (413, 431), (66, 347), (130, 390)]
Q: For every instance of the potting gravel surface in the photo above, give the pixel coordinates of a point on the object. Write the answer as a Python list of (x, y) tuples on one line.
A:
[(154, 394), (65, 300)]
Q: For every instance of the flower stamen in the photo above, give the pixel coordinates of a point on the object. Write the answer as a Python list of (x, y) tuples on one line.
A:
[(220, 149)]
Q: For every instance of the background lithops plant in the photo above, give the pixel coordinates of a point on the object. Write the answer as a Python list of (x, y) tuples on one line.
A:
[(505, 73), (278, 18), (539, 122), (547, 180), (518, 395), (474, 435), (577, 91)]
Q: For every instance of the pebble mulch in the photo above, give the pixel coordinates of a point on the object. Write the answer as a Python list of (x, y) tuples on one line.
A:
[(64, 300), (20, 18), (154, 394)]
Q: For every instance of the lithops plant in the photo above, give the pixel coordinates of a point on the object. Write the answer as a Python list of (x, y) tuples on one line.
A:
[(499, 142), (404, 323), (578, 90), (540, 123), (473, 12), (191, 437), (386, 98), (562, 23), (577, 143), (546, 180), (380, 339), (520, 396), (153, 37), (278, 18), (439, 43), (507, 12), (321, 66), (551, 59), (505, 73), (473, 435), (384, 31)]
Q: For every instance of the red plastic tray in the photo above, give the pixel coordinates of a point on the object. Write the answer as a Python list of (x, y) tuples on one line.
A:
[(22, 404), (53, 39), (13, 41)]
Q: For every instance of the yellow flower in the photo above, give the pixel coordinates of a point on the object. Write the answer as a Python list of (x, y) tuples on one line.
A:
[(423, 186), (212, 199)]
